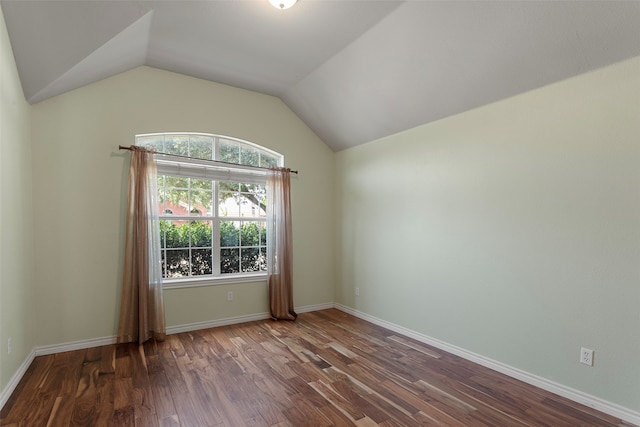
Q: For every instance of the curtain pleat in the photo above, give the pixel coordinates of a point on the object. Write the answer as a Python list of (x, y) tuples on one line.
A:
[(141, 305), (280, 245)]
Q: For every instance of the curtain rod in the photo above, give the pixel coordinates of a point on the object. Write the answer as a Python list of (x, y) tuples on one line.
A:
[(122, 147)]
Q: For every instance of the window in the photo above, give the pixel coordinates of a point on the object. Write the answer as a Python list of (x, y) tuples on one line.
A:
[(212, 215)]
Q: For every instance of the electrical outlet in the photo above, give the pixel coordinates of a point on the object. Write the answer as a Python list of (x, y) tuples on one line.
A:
[(357, 292), (229, 296), (586, 356), (9, 346)]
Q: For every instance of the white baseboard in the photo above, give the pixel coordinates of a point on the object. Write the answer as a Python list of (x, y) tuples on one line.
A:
[(594, 402), (15, 379), (215, 323), (240, 319), (74, 345), (315, 307)]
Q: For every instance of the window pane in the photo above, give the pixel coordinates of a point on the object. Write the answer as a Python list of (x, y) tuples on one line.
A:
[(201, 184), (200, 233), (151, 141), (229, 234), (243, 200), (176, 182), (257, 190), (200, 202), (229, 261), (177, 144), (250, 234), (249, 156), (177, 201), (175, 236), (251, 260), (201, 147), (228, 199), (177, 263), (229, 151), (246, 208), (267, 161), (201, 262), (229, 187), (227, 207), (253, 200), (249, 206)]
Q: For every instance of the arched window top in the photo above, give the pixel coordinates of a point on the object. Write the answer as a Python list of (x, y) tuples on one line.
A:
[(211, 147)]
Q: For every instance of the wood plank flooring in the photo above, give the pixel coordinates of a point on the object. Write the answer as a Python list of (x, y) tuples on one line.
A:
[(326, 369)]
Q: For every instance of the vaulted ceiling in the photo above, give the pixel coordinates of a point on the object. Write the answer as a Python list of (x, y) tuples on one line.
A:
[(353, 70)]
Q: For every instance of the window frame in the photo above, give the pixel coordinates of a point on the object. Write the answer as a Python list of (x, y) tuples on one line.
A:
[(217, 171)]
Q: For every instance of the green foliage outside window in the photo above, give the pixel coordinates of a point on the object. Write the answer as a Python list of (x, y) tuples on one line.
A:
[(187, 248)]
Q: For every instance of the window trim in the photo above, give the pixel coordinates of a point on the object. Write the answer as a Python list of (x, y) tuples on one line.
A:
[(215, 170)]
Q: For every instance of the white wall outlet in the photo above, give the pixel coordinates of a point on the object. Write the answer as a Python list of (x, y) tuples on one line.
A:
[(586, 356), (230, 296), (9, 346), (357, 292)]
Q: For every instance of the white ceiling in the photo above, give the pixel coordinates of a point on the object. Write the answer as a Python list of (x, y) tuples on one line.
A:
[(353, 70)]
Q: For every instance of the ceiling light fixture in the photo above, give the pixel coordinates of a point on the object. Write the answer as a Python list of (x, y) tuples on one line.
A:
[(282, 4)]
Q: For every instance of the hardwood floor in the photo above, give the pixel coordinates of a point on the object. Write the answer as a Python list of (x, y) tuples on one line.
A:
[(326, 369)]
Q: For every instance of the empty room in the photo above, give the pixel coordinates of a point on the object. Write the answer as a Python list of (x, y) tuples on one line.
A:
[(319, 212)]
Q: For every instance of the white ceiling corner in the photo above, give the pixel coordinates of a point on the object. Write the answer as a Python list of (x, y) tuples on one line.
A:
[(125, 51)]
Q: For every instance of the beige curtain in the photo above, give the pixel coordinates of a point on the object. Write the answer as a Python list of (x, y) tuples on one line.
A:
[(279, 245), (142, 306)]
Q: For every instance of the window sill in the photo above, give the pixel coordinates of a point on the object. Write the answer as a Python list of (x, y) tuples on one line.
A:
[(212, 281)]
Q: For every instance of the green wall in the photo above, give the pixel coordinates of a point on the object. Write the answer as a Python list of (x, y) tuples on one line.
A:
[(511, 231), (17, 302), (80, 189)]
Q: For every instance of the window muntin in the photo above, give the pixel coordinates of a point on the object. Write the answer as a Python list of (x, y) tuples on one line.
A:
[(212, 218)]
